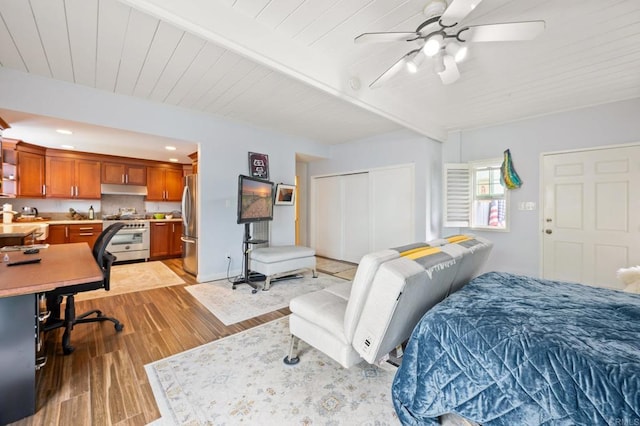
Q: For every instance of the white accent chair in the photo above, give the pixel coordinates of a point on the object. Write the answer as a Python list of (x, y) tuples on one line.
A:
[(368, 318)]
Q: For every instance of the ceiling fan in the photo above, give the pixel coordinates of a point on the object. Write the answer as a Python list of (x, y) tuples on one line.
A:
[(442, 38)]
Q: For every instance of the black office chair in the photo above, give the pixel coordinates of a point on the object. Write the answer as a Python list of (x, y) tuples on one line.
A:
[(55, 297)]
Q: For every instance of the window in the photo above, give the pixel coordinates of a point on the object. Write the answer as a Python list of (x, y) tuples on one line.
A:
[(474, 196)]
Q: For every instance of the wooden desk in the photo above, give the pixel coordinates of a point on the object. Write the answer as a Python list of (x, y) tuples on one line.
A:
[(61, 265)]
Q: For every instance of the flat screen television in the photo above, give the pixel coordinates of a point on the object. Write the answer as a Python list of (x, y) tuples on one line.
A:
[(255, 199)]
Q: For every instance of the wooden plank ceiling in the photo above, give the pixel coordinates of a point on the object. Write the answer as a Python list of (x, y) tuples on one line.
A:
[(292, 66)]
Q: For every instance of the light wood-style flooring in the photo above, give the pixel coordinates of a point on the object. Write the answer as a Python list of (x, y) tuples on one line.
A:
[(103, 382)]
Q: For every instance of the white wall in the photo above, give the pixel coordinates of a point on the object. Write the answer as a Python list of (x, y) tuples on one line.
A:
[(518, 251), (402, 147), (222, 144)]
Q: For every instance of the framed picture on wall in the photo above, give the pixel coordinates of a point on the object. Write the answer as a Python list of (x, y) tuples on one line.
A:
[(285, 195), (259, 165)]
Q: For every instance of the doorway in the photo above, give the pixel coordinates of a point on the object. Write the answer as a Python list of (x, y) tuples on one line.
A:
[(590, 201)]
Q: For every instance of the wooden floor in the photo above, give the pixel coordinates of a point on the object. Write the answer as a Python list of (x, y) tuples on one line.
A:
[(103, 382)]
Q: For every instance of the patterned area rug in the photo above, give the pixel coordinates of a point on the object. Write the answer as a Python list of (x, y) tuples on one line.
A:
[(232, 306), (130, 277), (241, 379)]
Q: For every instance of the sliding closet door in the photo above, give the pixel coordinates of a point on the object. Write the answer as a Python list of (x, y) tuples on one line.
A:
[(355, 214), (392, 207), (355, 202)]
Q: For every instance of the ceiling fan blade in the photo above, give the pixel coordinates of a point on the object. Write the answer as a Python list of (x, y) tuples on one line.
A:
[(512, 31), (384, 37), (393, 70), (451, 72), (457, 11)]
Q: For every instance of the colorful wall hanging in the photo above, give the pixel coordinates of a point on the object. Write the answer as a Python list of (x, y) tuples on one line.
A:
[(508, 176)]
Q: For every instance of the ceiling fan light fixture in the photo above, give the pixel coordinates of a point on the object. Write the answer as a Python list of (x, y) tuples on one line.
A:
[(414, 62), (433, 45), (457, 51), (438, 64)]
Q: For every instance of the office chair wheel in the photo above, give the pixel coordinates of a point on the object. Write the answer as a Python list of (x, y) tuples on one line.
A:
[(254, 291), (119, 326), (233, 287)]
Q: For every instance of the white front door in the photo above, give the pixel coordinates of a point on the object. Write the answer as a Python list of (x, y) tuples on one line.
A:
[(591, 225)]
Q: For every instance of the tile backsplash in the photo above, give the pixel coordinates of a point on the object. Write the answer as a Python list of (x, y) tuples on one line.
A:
[(109, 204)]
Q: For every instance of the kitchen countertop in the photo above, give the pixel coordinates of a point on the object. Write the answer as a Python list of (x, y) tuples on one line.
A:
[(19, 230), (70, 222), (82, 221)]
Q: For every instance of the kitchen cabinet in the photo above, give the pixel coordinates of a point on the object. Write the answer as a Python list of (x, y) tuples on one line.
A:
[(9, 171), (166, 239), (164, 184), (30, 170), (194, 163), (124, 174), (72, 178), (74, 233)]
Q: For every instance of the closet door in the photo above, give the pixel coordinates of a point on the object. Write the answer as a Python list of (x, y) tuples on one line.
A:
[(355, 202), (392, 207), (357, 213)]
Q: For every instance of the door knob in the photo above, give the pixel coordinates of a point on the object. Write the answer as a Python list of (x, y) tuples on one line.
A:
[(548, 231)]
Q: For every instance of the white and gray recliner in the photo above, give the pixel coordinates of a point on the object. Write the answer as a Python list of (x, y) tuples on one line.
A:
[(391, 291)]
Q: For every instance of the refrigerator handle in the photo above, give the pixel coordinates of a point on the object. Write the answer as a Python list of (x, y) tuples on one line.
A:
[(186, 205)]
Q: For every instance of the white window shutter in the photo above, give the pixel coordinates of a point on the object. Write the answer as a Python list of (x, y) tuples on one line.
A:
[(457, 195)]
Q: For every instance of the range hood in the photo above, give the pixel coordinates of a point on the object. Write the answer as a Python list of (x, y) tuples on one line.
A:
[(107, 188)]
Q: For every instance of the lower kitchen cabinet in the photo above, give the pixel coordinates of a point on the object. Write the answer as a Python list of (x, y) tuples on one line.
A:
[(74, 233), (165, 239)]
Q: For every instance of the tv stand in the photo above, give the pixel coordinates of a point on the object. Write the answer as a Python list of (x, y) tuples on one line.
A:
[(249, 277)]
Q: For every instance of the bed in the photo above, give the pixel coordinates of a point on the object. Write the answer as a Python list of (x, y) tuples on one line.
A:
[(515, 350)]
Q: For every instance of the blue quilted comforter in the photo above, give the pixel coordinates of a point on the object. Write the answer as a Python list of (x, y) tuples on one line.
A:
[(514, 350)]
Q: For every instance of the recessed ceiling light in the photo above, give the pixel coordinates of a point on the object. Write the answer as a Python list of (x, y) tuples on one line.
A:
[(173, 160), (170, 148), (68, 146), (64, 131)]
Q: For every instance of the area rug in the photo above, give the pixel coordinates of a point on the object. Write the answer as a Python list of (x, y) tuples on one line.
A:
[(130, 277), (241, 379), (232, 306)]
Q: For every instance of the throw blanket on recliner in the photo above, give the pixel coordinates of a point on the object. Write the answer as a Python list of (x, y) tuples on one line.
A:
[(432, 257)]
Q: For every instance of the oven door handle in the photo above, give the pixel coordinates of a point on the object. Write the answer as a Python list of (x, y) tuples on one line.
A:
[(132, 231)]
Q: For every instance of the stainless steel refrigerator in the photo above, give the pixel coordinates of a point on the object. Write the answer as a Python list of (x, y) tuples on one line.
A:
[(190, 225)]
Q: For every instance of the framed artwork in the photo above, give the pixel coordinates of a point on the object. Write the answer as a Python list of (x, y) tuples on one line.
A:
[(285, 195), (259, 165)]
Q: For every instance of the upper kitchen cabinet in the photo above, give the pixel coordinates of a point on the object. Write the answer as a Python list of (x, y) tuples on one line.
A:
[(194, 162), (124, 174), (9, 168), (30, 167), (164, 183), (71, 176)]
